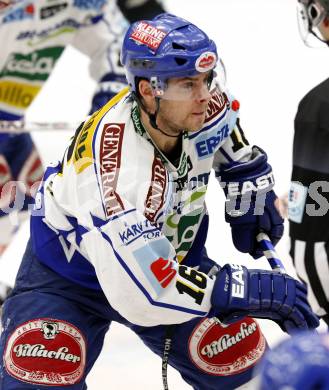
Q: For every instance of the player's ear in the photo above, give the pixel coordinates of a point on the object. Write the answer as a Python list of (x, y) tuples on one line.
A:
[(146, 93), (145, 89)]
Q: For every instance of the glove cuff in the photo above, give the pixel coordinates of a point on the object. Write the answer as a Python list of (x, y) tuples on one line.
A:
[(231, 286), (246, 180)]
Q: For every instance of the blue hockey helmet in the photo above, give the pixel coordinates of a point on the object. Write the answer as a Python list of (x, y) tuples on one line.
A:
[(166, 47), (300, 363)]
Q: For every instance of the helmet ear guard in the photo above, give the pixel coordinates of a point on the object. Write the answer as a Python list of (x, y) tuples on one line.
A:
[(311, 13), (158, 86)]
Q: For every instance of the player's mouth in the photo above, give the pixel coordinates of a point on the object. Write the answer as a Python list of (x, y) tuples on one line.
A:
[(201, 113)]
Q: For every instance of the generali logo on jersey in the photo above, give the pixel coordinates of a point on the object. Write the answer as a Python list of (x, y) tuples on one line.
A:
[(216, 104), (110, 158), (226, 350), (155, 195), (148, 35), (46, 351)]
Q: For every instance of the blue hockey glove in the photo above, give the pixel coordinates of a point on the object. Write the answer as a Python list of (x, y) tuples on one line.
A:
[(250, 202), (264, 294), (208, 267), (108, 87)]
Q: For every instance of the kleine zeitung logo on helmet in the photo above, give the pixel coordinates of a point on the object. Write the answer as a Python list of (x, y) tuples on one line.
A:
[(206, 61), (146, 34)]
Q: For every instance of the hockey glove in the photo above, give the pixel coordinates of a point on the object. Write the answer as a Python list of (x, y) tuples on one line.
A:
[(250, 202), (108, 87), (264, 294), (208, 267)]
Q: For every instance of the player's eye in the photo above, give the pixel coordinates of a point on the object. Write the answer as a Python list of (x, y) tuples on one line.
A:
[(188, 85)]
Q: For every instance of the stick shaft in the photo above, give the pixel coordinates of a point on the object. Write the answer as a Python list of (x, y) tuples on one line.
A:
[(22, 126), (270, 252)]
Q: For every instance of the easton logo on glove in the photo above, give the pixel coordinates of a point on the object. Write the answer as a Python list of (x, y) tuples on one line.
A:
[(226, 350), (260, 183), (239, 291), (237, 281)]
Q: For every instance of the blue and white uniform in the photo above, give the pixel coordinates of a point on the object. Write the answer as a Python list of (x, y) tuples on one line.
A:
[(117, 234), (118, 208)]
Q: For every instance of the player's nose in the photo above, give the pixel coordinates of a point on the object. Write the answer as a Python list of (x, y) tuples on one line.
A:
[(204, 94)]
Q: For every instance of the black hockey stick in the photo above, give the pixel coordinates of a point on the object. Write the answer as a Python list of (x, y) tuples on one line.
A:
[(170, 329), (275, 263), (21, 126)]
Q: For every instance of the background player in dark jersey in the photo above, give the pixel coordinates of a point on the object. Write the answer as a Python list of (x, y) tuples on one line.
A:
[(309, 192)]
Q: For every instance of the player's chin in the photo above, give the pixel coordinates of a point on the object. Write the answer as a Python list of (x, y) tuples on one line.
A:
[(196, 123)]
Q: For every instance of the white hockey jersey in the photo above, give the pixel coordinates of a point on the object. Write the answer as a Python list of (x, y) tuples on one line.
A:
[(33, 35), (116, 214)]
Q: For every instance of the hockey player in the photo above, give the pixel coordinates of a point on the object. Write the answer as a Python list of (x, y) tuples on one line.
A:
[(308, 197), (313, 20), (300, 363), (119, 228), (33, 35)]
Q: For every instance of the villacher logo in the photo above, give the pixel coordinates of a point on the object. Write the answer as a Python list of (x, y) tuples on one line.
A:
[(206, 61), (226, 350), (46, 351)]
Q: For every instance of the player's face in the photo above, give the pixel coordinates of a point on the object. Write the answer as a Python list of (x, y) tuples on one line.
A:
[(324, 29), (185, 104), (4, 4)]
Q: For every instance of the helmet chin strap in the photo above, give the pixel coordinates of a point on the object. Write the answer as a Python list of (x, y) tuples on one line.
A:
[(153, 119), (320, 39)]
